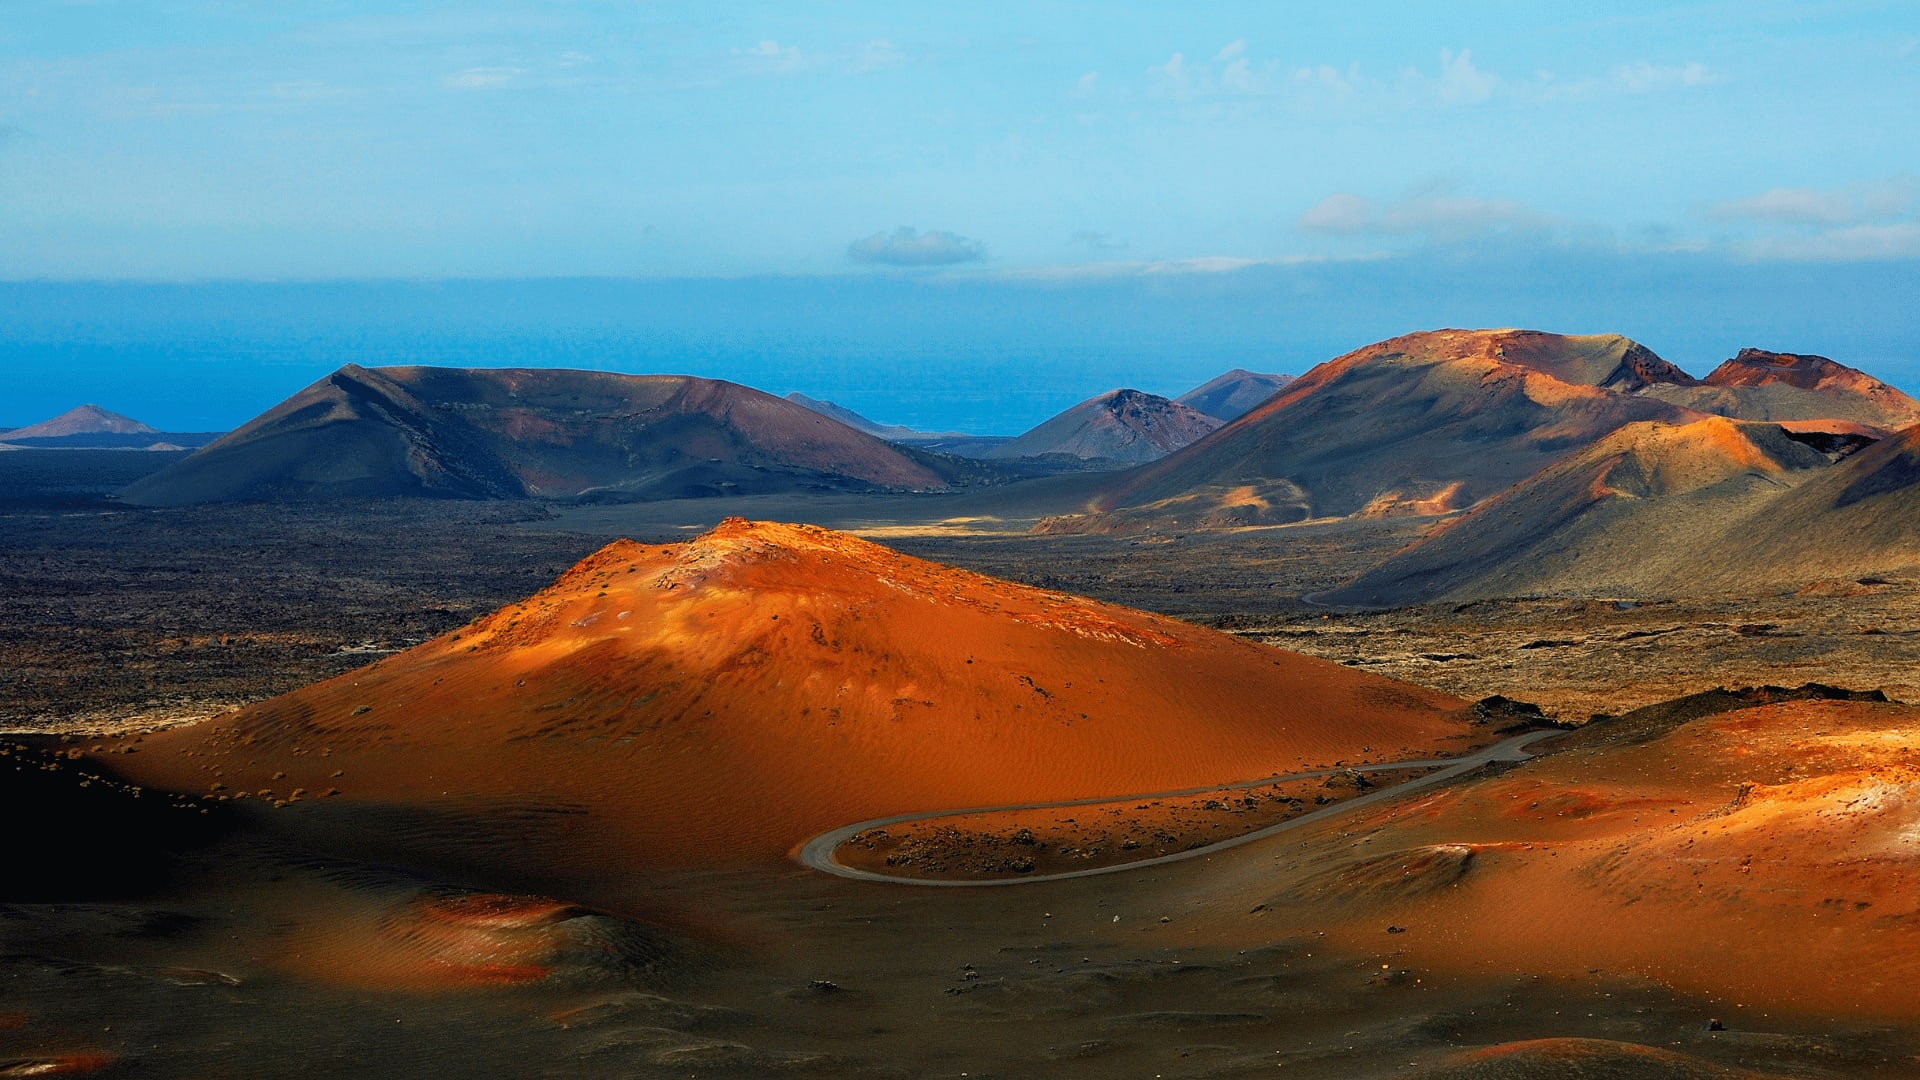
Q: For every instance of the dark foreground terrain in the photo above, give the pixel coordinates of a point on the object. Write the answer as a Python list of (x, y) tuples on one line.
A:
[(255, 942)]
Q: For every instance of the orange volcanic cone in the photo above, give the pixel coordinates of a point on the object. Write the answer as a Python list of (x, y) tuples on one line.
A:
[(727, 698)]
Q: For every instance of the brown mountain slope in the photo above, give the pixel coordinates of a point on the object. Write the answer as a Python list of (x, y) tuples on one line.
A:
[(511, 433), (1759, 385), (85, 420), (1233, 395), (1440, 419), (1120, 425), (726, 699), (1619, 516)]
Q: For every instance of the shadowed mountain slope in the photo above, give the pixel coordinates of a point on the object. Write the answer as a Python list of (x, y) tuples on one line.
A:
[(1234, 394), (553, 433), (1622, 516), (1432, 421), (1858, 519), (1126, 426), (727, 698)]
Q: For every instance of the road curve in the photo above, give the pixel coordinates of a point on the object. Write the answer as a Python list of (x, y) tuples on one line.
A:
[(818, 852)]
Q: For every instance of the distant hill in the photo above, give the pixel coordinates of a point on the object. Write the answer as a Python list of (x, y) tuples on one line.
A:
[(966, 446), (890, 432), (1434, 422), (1622, 516), (85, 420), (91, 427), (1234, 394), (1760, 385), (956, 443), (109, 440), (1124, 426), (549, 433), (1424, 423)]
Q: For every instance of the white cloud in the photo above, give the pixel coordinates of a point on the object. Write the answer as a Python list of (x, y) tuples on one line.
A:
[(876, 55), (1204, 264), (1866, 221), (1235, 72), (1238, 77), (1800, 206), (1453, 215), (1643, 78), (1171, 78), (1231, 71), (1854, 243), (906, 246), (1324, 82), (1343, 214), (1859, 204), (1638, 77), (769, 57), (483, 78), (1086, 85), (1462, 83), (1436, 215)]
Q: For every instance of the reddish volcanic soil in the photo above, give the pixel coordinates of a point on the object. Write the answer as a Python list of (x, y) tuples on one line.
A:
[(722, 700), (1767, 857)]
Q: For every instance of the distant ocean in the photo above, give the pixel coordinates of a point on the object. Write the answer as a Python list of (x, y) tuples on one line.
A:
[(983, 354)]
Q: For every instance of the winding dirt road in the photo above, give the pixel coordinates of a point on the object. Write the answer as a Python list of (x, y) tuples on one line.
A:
[(818, 852)]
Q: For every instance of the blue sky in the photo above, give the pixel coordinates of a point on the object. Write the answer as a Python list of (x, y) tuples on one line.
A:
[(975, 150), (194, 139)]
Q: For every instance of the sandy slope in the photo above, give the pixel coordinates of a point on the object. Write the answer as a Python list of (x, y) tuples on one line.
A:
[(1768, 856), (1710, 507), (1859, 519), (724, 699), (1621, 516)]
